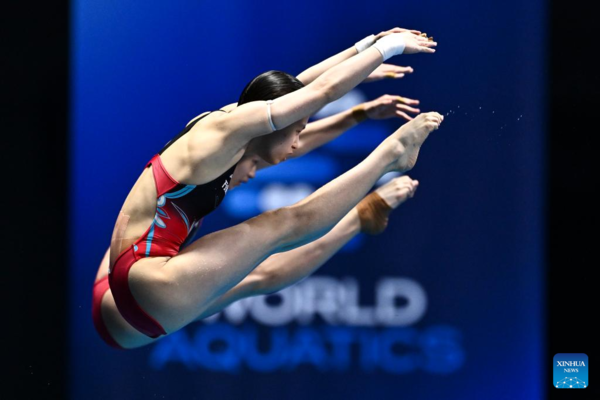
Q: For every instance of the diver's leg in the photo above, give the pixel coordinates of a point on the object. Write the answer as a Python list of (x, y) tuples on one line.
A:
[(213, 264), (287, 268)]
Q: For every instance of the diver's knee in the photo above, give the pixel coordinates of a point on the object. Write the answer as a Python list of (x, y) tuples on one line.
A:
[(300, 219)]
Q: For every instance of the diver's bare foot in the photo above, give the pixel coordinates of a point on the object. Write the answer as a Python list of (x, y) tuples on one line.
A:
[(374, 209), (408, 139), (398, 190)]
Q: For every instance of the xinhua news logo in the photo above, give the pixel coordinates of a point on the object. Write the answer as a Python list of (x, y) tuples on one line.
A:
[(570, 371)]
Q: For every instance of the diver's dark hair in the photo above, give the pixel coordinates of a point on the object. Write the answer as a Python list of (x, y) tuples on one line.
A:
[(268, 86)]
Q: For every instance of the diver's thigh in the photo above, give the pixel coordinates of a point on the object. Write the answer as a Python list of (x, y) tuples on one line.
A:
[(213, 264)]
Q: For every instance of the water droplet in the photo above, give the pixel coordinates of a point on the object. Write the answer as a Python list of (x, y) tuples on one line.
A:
[(480, 108)]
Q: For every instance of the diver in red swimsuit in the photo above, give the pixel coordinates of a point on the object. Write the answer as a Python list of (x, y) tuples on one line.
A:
[(158, 283)]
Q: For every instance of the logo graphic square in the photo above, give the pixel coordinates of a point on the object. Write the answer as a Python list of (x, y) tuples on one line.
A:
[(570, 371)]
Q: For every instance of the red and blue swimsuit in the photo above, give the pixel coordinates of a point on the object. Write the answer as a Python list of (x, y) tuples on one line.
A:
[(180, 209)]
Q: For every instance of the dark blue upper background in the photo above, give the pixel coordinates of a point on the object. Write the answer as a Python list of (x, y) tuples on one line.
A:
[(471, 236)]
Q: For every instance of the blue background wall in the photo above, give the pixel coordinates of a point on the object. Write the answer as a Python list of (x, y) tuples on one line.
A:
[(470, 239)]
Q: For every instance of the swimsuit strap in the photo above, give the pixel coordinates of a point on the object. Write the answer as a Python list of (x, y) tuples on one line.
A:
[(163, 180)]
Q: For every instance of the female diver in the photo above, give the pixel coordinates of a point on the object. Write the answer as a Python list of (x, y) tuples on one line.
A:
[(159, 283)]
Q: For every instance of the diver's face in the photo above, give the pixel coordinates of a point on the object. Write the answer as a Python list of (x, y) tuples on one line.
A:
[(279, 145), (244, 171)]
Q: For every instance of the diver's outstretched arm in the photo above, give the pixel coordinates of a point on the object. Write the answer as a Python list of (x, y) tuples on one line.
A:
[(384, 71), (258, 118), (316, 70)]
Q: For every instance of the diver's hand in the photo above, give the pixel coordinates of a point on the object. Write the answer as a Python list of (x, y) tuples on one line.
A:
[(389, 106), (403, 43), (395, 30), (388, 71)]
